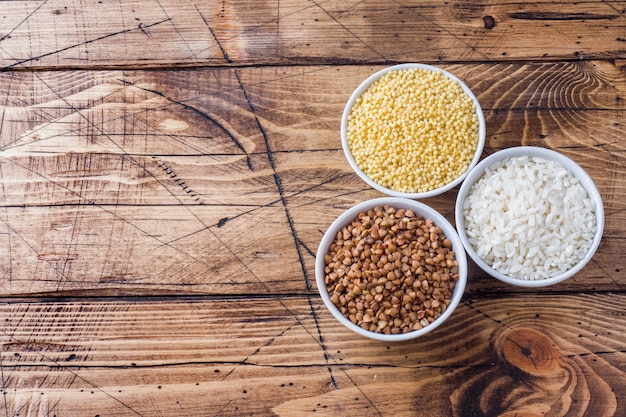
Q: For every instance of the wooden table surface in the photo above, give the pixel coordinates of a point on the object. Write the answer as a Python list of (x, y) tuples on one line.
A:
[(168, 168)]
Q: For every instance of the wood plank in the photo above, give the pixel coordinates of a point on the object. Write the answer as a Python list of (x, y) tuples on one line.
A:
[(218, 112), (142, 182), (564, 356), (154, 250), (148, 33)]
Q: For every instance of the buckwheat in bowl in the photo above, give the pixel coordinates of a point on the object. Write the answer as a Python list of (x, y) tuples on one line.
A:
[(529, 216), (412, 130), (391, 269)]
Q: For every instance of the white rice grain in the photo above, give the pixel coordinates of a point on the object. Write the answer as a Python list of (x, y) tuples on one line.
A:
[(529, 218)]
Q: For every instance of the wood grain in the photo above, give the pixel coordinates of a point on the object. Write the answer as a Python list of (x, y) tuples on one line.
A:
[(494, 357), (168, 168), (150, 33)]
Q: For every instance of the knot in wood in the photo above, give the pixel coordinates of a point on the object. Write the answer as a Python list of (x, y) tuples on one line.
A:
[(530, 351)]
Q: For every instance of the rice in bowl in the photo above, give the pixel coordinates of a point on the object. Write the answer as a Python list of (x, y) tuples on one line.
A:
[(529, 216)]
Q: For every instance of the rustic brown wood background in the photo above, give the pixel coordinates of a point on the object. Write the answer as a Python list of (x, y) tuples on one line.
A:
[(168, 167)]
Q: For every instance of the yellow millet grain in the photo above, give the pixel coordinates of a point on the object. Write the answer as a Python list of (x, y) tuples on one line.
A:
[(413, 130)]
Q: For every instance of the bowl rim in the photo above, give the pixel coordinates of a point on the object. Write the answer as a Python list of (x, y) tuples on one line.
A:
[(418, 195), (532, 151), (418, 207)]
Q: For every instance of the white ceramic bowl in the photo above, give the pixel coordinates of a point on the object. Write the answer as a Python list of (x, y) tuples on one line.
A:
[(477, 172), (346, 148), (419, 208)]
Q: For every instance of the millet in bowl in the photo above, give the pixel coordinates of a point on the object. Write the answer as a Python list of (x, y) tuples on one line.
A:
[(412, 130)]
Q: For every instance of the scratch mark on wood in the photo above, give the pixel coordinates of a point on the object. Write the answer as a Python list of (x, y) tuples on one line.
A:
[(278, 182), (561, 16), (45, 259), (348, 30), (57, 256), (66, 262), (62, 274), (4, 383), (306, 248), (266, 255), (618, 11), (450, 33), (471, 307), (172, 174), (220, 412), (606, 273), (203, 114), (215, 38), (245, 361), (182, 38), (66, 368), (273, 202), (144, 30), (8, 34), (292, 227), (110, 212), (67, 48)]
